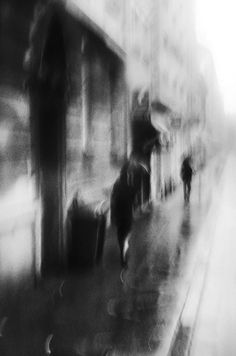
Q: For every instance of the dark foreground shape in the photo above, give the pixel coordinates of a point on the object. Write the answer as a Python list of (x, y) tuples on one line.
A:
[(86, 234)]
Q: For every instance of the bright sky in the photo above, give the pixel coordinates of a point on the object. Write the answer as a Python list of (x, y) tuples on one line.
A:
[(216, 29)]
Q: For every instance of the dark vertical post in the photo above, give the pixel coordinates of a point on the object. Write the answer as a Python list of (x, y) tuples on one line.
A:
[(52, 145), (48, 110)]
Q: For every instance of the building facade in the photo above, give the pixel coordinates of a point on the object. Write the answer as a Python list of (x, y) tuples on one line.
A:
[(214, 107), (83, 144), (124, 28), (175, 88), (122, 79)]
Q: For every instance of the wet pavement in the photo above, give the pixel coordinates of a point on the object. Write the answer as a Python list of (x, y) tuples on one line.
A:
[(215, 327), (109, 311)]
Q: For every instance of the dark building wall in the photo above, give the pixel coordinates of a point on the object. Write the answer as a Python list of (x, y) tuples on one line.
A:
[(94, 84), (97, 116), (15, 18)]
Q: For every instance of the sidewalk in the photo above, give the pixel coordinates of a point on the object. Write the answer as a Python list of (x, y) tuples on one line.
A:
[(216, 320), (93, 312)]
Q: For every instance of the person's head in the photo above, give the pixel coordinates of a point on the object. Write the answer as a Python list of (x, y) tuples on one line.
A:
[(184, 155), (189, 160)]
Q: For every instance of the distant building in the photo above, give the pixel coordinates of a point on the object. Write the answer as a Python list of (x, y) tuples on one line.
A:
[(175, 85), (214, 107)]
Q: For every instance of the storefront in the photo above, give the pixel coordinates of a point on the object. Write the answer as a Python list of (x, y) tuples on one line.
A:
[(78, 115)]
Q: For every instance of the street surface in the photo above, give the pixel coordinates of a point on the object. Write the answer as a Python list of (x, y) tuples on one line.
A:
[(216, 320), (107, 311)]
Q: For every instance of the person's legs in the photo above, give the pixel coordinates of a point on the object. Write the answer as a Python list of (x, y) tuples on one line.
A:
[(123, 233), (188, 189), (122, 237), (121, 241), (126, 248), (185, 190)]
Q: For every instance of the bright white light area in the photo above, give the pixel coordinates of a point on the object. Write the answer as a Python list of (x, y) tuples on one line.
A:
[(216, 29)]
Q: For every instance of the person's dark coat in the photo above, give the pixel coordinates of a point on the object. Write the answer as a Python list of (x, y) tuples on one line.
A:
[(122, 198), (186, 170)]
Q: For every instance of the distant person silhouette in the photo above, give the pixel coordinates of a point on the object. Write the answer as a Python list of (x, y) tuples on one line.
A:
[(186, 175)]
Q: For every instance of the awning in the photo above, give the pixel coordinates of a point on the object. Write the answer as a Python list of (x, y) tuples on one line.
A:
[(159, 107), (143, 133), (160, 122), (191, 122)]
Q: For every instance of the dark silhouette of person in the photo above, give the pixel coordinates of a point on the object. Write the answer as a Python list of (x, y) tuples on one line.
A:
[(122, 199), (186, 175)]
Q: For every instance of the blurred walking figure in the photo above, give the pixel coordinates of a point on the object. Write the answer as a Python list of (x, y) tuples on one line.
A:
[(122, 199), (186, 175)]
